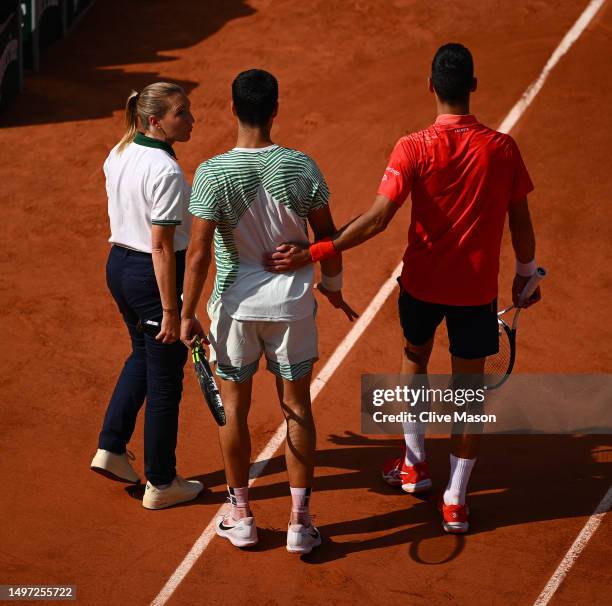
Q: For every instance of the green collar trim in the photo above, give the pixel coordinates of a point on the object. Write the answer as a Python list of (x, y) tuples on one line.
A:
[(141, 139)]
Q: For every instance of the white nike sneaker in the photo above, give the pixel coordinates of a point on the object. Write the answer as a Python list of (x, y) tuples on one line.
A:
[(240, 533), (302, 539)]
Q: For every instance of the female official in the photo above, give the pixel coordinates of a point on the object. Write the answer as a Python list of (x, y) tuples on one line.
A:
[(149, 221)]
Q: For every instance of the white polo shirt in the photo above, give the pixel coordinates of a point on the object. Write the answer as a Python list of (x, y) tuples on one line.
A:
[(146, 186)]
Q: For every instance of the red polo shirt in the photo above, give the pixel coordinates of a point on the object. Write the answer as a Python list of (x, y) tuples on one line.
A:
[(463, 176)]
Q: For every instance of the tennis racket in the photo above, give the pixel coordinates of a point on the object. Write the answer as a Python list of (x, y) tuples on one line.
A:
[(207, 382), (499, 366)]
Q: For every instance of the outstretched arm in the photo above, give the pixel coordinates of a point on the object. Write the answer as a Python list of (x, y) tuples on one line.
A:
[(199, 256), (358, 230), (372, 222)]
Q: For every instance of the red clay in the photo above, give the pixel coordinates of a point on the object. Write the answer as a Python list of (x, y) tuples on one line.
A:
[(352, 78)]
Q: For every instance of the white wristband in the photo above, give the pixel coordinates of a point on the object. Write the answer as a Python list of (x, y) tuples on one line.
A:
[(526, 269), (333, 283)]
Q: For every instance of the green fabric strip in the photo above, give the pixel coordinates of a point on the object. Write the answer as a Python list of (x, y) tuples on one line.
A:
[(291, 372), (235, 374), (141, 139)]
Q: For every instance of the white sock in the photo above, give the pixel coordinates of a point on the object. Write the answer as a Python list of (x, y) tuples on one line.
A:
[(239, 501), (300, 503), (461, 470), (414, 435)]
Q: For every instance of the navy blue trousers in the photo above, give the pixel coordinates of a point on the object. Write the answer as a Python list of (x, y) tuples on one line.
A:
[(153, 370)]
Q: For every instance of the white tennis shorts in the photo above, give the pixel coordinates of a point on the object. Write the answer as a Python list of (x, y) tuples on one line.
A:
[(236, 345)]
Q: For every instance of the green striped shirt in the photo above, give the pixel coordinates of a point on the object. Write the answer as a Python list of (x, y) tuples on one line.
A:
[(259, 198)]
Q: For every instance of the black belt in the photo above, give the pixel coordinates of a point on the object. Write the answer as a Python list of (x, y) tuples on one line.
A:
[(140, 253)]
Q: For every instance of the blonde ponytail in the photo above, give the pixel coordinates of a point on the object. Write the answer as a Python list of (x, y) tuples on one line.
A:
[(153, 100), (131, 120)]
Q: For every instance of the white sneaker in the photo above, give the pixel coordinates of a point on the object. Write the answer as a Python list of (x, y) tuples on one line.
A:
[(240, 533), (302, 539), (179, 491), (115, 466)]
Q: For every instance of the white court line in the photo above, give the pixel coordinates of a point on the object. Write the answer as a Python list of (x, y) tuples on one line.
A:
[(529, 95), (364, 321), (575, 550)]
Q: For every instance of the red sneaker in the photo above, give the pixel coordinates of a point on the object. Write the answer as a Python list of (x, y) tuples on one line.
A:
[(454, 517), (412, 478)]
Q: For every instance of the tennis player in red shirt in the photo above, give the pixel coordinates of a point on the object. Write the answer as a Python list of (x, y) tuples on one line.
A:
[(464, 179)]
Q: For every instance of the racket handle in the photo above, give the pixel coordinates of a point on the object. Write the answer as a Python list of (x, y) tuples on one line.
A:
[(534, 281)]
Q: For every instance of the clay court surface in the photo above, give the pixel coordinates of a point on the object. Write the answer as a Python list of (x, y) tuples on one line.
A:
[(352, 77)]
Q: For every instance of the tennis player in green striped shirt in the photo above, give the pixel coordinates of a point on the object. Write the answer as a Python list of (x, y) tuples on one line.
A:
[(250, 200)]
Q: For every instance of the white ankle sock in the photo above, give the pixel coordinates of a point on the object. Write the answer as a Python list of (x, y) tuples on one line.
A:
[(456, 488), (300, 502), (414, 435), (239, 500)]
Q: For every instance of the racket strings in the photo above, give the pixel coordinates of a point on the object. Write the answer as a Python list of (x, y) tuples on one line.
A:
[(498, 365)]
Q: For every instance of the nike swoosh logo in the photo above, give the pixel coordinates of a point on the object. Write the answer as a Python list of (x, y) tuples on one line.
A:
[(314, 534), (222, 526)]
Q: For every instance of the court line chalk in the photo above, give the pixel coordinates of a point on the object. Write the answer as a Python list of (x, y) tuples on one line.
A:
[(363, 322), (575, 550), (534, 88)]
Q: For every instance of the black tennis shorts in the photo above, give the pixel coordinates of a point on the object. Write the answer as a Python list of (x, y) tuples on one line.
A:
[(472, 329)]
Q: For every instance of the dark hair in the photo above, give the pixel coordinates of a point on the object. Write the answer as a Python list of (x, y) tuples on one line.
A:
[(255, 95), (452, 72)]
